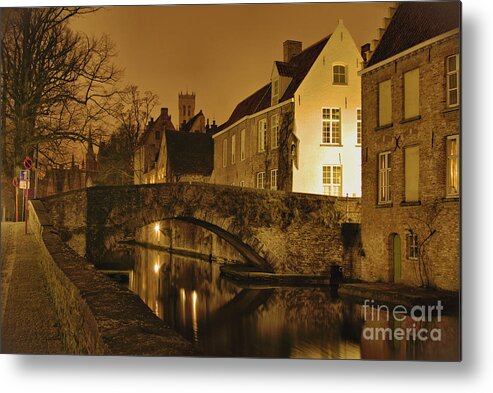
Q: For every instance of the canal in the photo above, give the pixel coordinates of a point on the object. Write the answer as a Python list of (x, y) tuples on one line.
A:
[(223, 318)]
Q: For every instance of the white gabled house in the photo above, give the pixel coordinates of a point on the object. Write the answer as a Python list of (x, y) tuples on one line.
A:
[(302, 131)]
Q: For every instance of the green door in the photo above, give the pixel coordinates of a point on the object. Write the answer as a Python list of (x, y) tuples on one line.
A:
[(397, 257)]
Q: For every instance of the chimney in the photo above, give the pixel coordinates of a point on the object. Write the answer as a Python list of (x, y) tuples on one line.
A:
[(291, 49)]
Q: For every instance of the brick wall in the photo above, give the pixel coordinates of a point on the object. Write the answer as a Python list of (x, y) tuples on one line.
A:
[(429, 132)]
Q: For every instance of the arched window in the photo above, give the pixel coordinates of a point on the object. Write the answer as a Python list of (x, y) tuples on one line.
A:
[(339, 74)]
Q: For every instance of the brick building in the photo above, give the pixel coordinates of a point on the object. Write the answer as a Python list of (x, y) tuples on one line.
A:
[(146, 153), (410, 149), (301, 131)]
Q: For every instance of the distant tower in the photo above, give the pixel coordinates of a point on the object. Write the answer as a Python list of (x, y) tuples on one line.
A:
[(186, 107)]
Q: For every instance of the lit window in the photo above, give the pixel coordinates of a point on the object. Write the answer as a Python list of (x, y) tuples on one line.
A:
[(453, 81), (412, 249), (453, 165), (262, 131), (411, 94), (233, 149), (332, 180), (339, 75), (275, 131), (384, 169), (411, 173), (331, 126), (384, 103), (273, 179), (261, 180), (242, 144), (358, 126), (225, 153)]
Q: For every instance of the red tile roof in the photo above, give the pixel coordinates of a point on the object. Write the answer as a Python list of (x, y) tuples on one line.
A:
[(416, 22)]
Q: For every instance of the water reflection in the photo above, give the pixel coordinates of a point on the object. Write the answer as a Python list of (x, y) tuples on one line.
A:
[(223, 319)]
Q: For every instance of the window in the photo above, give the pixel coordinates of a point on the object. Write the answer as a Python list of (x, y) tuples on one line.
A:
[(411, 94), (384, 168), (332, 180), (412, 246), (189, 111), (411, 173), (331, 126), (274, 120), (242, 144), (384, 103), (339, 75), (273, 179), (233, 149), (225, 153), (158, 135), (242, 183), (453, 165), (358, 126), (275, 90), (184, 111), (262, 131), (260, 179), (453, 81)]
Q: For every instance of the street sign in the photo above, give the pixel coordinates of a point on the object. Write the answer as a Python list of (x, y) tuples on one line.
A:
[(24, 178), (28, 163)]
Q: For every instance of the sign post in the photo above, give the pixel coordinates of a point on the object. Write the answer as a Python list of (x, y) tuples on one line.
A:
[(24, 183), (15, 182)]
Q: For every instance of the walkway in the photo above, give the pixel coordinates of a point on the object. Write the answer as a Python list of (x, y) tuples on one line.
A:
[(28, 323)]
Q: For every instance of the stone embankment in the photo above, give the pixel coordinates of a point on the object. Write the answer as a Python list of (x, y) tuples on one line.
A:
[(96, 315)]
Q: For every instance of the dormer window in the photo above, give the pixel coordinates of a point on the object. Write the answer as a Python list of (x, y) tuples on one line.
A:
[(275, 90), (339, 74)]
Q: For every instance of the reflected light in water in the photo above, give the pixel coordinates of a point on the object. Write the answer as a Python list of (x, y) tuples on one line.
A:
[(195, 325)]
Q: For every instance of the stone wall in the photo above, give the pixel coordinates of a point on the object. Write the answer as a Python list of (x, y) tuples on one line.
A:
[(429, 131), (96, 315), (280, 232)]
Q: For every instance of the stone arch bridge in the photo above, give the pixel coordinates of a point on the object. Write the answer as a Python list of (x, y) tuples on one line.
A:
[(278, 231)]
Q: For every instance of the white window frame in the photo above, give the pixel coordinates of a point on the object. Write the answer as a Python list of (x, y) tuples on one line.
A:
[(233, 149), (261, 135), (384, 183), (274, 129), (260, 180), (331, 133), (359, 126), (412, 246), (225, 152), (455, 75), (342, 78), (242, 144), (273, 179), (450, 159), (275, 90), (330, 187)]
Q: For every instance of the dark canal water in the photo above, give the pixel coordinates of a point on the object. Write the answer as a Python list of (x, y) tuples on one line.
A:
[(224, 319)]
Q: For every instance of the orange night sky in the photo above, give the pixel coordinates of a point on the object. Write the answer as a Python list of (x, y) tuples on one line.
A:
[(221, 52)]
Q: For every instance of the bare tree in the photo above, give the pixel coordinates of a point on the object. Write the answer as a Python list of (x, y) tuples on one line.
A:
[(55, 84)]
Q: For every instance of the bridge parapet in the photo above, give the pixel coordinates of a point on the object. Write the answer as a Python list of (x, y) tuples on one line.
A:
[(281, 232)]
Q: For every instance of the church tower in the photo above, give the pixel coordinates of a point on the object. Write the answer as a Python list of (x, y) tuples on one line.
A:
[(186, 107)]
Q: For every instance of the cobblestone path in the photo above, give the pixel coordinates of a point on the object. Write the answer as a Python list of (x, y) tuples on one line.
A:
[(28, 323)]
